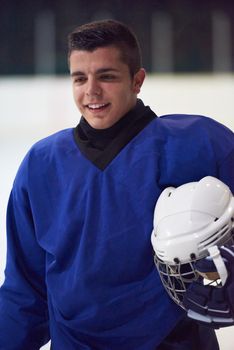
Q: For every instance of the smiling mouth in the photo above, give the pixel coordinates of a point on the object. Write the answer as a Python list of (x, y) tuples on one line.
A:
[(97, 106)]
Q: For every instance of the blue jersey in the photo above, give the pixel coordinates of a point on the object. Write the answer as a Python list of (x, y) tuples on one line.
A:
[(80, 267)]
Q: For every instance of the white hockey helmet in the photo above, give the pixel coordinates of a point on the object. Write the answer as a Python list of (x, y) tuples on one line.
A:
[(188, 220)]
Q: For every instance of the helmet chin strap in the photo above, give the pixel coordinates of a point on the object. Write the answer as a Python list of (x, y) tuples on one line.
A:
[(219, 263)]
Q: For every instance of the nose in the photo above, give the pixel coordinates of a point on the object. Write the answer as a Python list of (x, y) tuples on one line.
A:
[(93, 87)]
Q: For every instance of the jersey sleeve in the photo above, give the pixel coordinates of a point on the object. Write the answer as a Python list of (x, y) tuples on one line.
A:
[(226, 170), (222, 142), (23, 301), (221, 139)]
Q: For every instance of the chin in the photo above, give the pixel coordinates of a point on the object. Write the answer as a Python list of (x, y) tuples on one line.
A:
[(100, 123)]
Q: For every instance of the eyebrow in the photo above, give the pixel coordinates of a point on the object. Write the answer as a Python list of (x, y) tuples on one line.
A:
[(99, 71)]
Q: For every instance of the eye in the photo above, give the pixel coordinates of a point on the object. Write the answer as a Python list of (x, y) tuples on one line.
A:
[(79, 80), (108, 77)]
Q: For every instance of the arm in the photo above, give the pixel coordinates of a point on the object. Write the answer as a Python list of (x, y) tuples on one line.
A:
[(23, 305), (200, 299), (214, 306)]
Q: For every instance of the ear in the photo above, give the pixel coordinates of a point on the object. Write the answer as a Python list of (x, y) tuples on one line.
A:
[(138, 80)]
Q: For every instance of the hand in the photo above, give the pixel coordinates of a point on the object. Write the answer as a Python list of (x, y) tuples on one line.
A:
[(213, 305)]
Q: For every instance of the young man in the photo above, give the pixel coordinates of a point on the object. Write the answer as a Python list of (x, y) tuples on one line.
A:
[(80, 268)]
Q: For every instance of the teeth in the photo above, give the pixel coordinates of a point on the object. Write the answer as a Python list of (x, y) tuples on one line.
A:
[(96, 106)]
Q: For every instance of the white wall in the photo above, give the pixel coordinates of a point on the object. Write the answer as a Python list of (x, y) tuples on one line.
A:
[(32, 108), (210, 95)]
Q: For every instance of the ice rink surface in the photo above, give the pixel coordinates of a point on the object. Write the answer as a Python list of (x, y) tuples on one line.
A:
[(34, 108)]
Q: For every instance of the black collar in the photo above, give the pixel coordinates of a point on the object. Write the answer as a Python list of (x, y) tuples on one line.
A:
[(101, 146)]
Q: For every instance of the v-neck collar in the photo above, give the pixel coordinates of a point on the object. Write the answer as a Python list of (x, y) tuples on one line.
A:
[(102, 146)]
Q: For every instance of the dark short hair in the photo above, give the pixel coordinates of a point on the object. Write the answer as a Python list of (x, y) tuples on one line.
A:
[(106, 33)]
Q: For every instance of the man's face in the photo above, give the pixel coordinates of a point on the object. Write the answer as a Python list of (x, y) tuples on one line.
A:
[(103, 89)]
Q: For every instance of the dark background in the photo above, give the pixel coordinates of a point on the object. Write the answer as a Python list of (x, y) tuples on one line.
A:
[(33, 34)]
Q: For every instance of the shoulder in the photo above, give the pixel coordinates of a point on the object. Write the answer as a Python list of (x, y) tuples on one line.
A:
[(60, 138), (54, 144), (192, 146), (192, 123), (197, 130), (45, 152)]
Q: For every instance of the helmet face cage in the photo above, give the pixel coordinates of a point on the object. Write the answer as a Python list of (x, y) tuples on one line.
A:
[(176, 278)]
